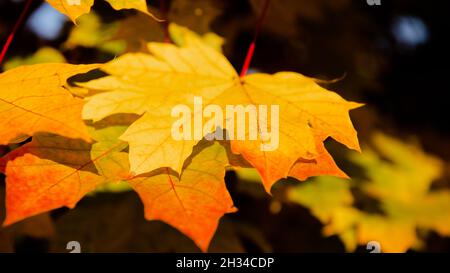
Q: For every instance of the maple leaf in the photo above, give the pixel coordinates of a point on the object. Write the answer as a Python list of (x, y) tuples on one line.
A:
[(192, 202), (40, 226), (401, 185), (323, 164), (72, 8), (52, 171), (152, 84), (75, 8), (34, 99)]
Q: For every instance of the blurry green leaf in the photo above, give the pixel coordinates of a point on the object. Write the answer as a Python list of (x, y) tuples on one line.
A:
[(43, 55), (113, 187), (178, 34), (399, 176), (91, 32), (214, 40), (330, 200), (248, 175)]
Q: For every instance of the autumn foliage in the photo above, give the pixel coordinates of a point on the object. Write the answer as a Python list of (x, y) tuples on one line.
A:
[(117, 128)]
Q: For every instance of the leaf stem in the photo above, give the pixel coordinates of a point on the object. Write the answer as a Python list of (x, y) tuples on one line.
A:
[(251, 48), (165, 23), (14, 30)]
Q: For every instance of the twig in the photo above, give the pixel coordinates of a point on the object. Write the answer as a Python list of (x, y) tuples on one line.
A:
[(165, 20), (14, 30), (251, 49)]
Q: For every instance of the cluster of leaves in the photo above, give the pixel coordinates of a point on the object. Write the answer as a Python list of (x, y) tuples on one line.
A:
[(398, 178), (117, 129)]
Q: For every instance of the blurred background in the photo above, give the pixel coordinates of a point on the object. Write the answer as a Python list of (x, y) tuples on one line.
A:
[(393, 57)]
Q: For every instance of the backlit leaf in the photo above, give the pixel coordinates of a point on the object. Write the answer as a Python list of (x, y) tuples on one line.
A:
[(34, 99), (152, 84), (53, 171), (197, 200)]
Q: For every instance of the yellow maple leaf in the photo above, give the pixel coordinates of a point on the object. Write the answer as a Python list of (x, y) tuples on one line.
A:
[(75, 8), (152, 84)]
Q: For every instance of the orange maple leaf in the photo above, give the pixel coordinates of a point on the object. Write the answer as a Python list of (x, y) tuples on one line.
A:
[(323, 164), (193, 202), (48, 173), (53, 171), (33, 99)]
